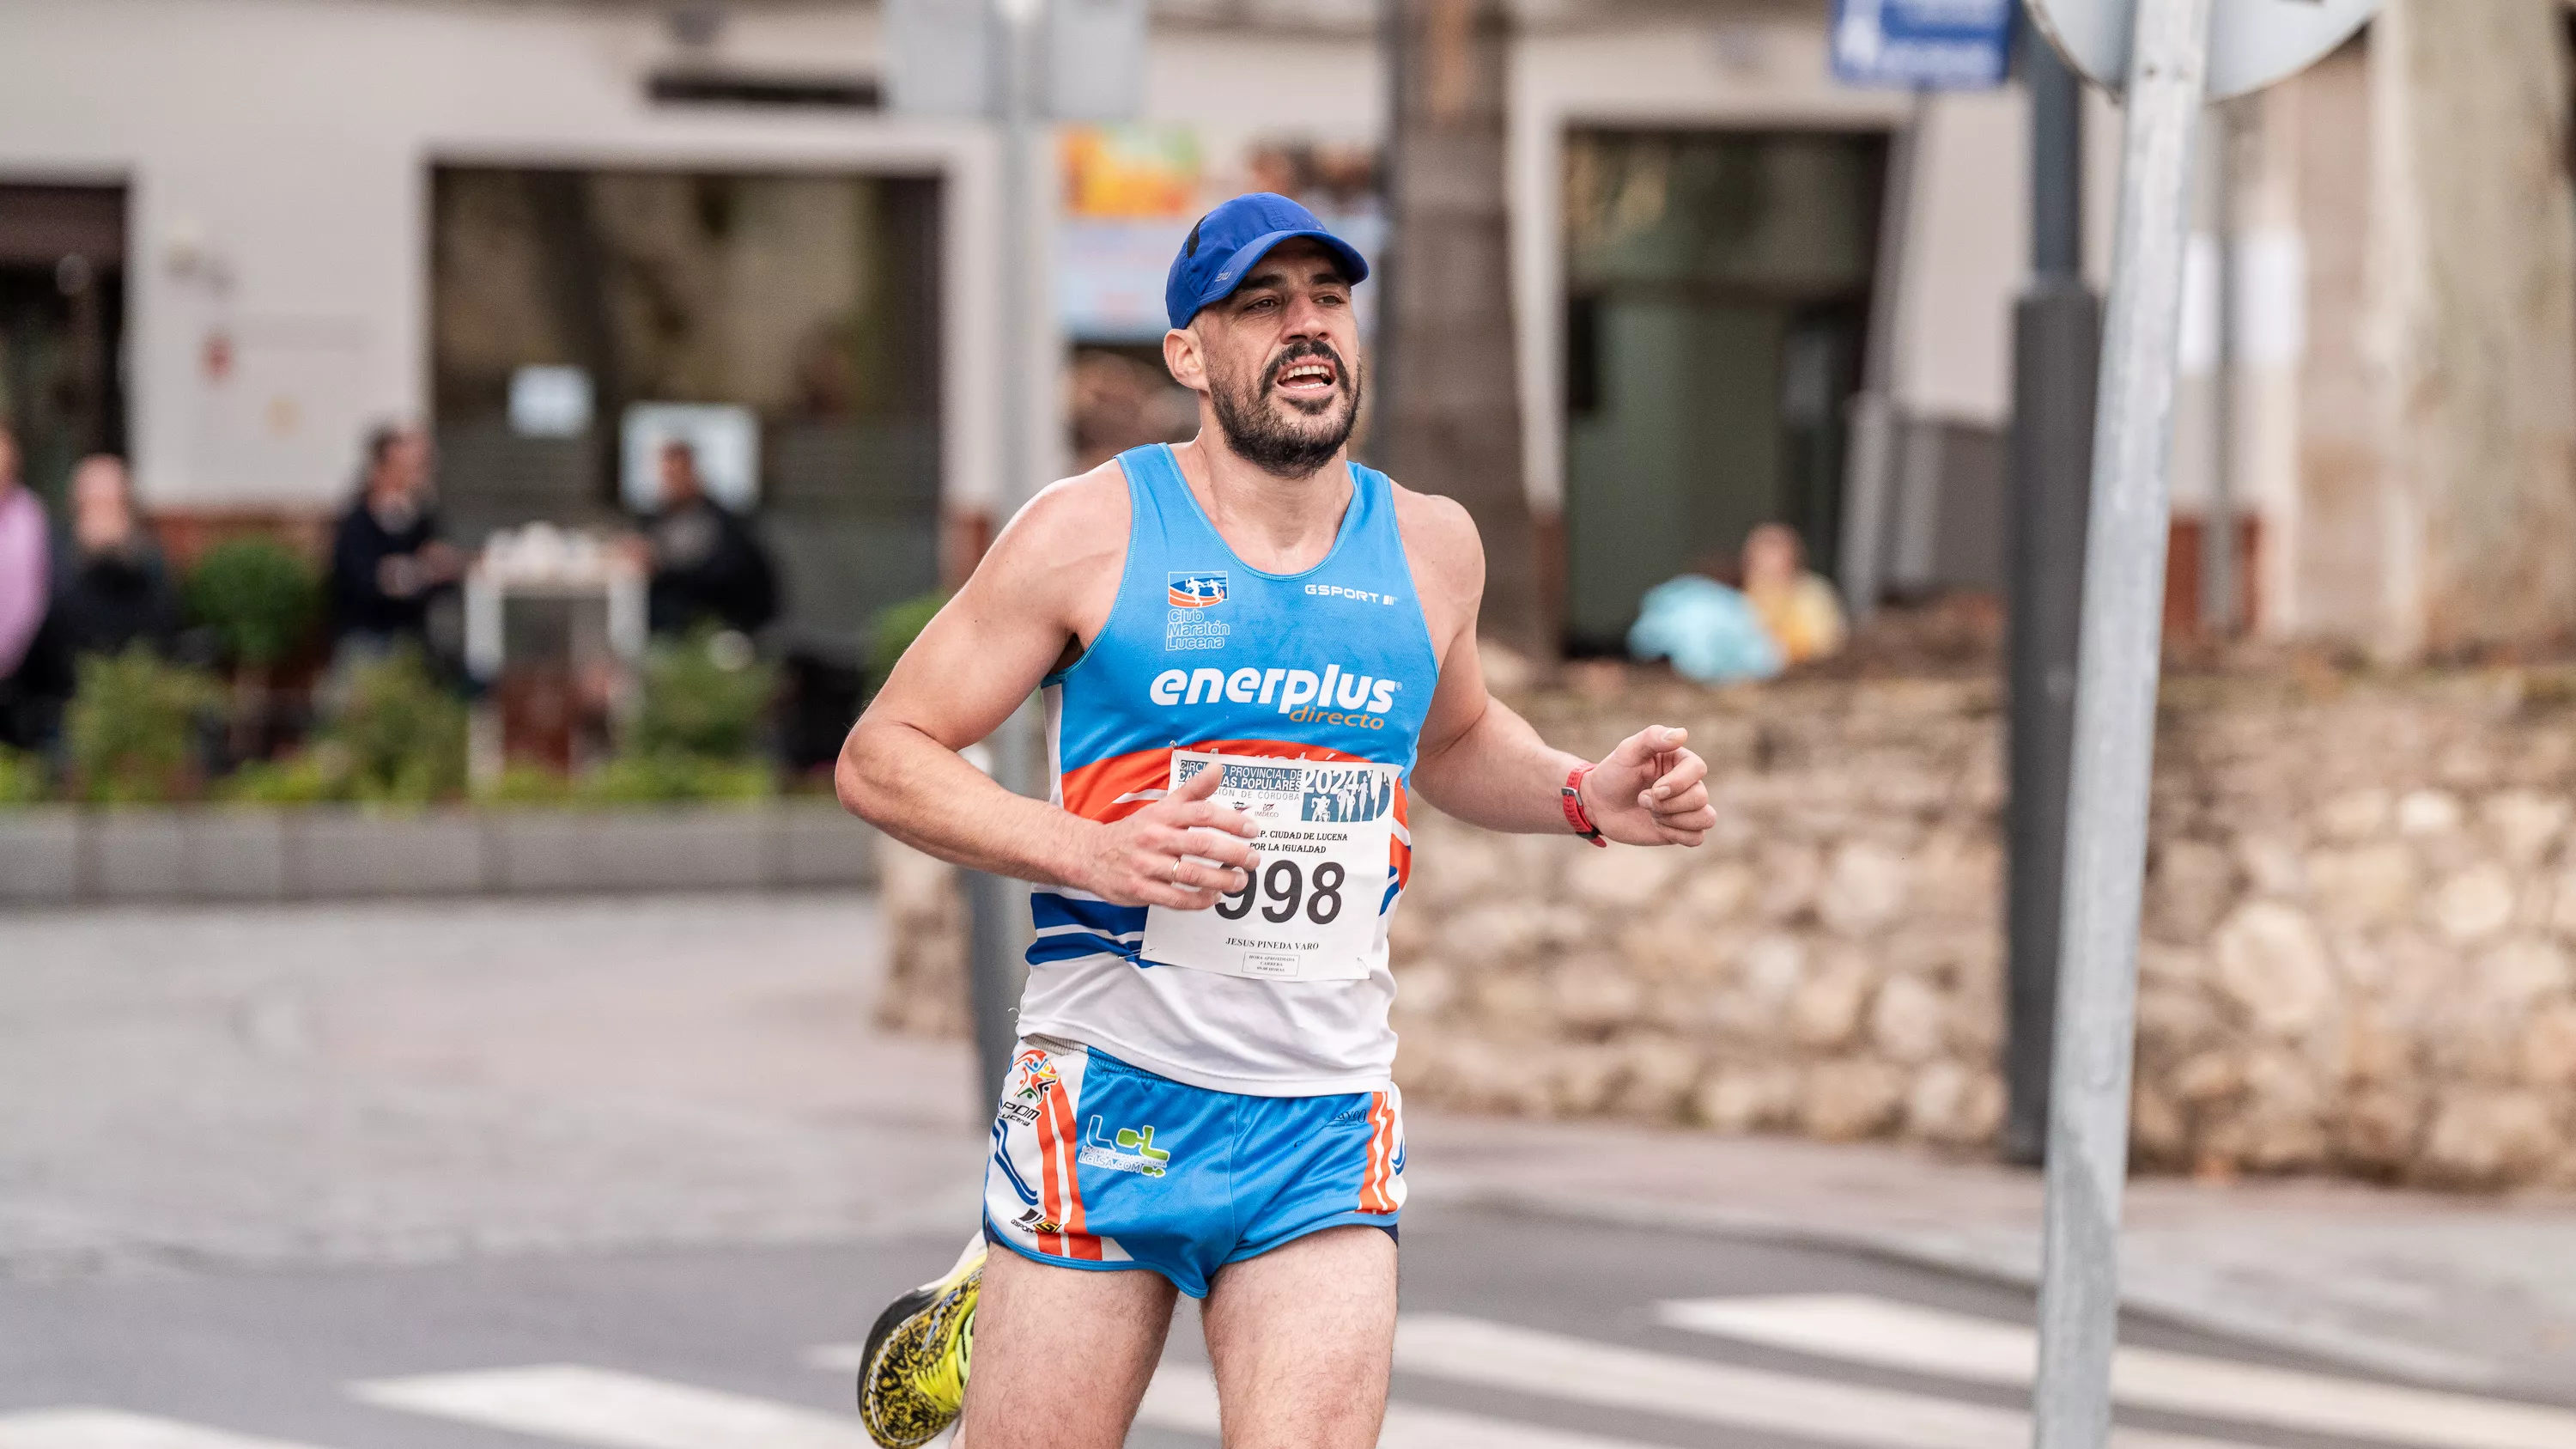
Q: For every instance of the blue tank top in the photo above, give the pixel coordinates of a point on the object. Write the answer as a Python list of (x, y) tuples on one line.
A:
[(1203, 652)]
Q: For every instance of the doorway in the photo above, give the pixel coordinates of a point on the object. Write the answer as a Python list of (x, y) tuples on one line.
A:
[(799, 308), (62, 327), (1717, 287)]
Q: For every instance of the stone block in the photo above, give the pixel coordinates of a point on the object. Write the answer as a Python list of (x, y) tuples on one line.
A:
[(1826, 1011), (2525, 823), (2188, 889), (1908, 1020), (1845, 1101), (2473, 905), (235, 855), (823, 845), (2517, 973), (2428, 812), (1864, 888), (2549, 1046), (1623, 876), (2490, 1139), (2272, 962), (136, 855), (2373, 885), (39, 857), (2355, 815), (2379, 1128), (1741, 1099), (348, 853), (632, 850)]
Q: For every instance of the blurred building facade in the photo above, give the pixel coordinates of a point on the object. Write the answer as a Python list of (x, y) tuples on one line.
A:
[(296, 217)]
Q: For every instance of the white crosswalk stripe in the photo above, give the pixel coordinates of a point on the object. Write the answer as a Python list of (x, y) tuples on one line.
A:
[(1820, 1410), (1183, 1397), (619, 1411), (1889, 1334), (575, 1404), (108, 1429)]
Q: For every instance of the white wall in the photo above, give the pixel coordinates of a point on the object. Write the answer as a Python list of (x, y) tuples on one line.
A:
[(279, 153)]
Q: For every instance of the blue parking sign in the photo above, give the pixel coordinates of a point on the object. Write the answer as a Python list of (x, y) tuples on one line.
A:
[(1949, 45)]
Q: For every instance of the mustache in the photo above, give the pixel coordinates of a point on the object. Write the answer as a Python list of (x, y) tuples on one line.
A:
[(1299, 351)]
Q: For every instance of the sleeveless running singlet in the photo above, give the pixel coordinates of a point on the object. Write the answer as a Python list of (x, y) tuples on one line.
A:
[(1204, 652)]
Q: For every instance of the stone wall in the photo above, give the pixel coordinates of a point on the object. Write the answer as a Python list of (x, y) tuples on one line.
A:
[(2361, 902)]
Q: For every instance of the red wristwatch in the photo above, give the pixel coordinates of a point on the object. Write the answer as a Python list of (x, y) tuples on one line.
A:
[(1575, 815)]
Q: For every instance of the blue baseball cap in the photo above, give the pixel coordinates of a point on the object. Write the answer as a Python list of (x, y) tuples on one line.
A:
[(1229, 240)]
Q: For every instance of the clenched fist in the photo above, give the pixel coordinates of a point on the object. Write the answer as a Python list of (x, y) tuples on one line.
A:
[(1650, 791)]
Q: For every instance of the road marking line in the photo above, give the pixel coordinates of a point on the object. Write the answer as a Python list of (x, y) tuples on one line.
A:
[(107, 1429), (622, 1411), (1821, 1410), (1183, 1398), (1891, 1334)]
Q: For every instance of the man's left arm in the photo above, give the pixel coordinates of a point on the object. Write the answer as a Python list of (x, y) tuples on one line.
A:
[(1484, 764)]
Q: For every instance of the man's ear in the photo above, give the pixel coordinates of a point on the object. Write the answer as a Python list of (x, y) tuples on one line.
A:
[(1182, 358)]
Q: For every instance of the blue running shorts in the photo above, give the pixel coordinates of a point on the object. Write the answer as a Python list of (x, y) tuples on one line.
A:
[(1098, 1164)]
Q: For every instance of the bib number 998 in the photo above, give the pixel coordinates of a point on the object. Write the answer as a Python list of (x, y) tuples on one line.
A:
[(1282, 887)]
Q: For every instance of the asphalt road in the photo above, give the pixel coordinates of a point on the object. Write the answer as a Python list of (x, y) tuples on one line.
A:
[(634, 1174), (1535, 1333)]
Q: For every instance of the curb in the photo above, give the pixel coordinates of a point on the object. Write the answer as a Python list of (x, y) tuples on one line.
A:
[(63, 857)]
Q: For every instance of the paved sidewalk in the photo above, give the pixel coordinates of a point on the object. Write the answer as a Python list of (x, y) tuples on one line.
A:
[(415, 1081), (2472, 1292)]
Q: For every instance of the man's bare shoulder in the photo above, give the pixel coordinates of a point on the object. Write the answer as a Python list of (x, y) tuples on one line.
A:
[(1441, 542), (1061, 556), (1071, 517)]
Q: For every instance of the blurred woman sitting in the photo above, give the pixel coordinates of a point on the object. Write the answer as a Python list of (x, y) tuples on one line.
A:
[(1798, 607)]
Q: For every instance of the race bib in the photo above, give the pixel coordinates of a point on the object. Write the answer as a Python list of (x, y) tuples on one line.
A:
[(1310, 911)]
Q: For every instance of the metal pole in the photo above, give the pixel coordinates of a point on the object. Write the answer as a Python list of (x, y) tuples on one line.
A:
[(1378, 375), (1869, 474), (2115, 707), (2218, 560), (2057, 344), (997, 907)]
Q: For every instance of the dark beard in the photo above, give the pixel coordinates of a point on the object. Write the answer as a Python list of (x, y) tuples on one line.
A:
[(1274, 444)]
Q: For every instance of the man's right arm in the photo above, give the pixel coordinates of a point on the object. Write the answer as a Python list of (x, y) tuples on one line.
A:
[(1053, 573)]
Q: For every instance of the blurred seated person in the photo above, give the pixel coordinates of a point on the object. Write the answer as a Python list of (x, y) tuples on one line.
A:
[(1799, 608), (707, 565), (26, 572), (387, 559), (111, 588)]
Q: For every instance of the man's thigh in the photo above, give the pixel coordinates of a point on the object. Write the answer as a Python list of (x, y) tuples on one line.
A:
[(1062, 1355), (1303, 1337)]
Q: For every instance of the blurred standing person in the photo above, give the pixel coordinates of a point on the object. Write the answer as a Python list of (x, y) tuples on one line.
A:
[(25, 583), (113, 588), (707, 564), (1798, 607), (387, 559)]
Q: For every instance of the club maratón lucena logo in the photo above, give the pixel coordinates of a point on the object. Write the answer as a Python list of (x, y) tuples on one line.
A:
[(1190, 624)]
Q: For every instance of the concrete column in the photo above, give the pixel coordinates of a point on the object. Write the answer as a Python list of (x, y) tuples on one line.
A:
[(2473, 303)]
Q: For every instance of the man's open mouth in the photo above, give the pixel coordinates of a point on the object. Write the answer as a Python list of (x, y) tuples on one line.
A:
[(1309, 377)]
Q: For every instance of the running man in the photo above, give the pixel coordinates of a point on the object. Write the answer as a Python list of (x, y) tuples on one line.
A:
[(1201, 1097)]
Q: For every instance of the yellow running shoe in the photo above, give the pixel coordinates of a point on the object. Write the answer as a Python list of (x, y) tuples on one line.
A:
[(912, 1377)]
